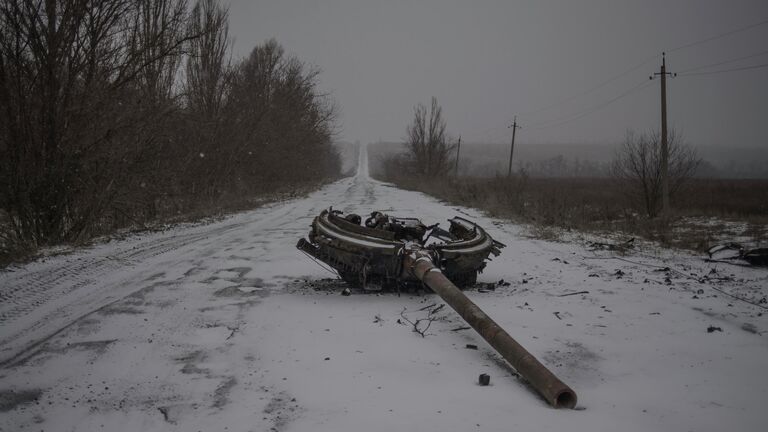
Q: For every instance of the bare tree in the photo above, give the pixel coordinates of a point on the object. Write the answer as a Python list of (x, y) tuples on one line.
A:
[(638, 164), (74, 83), (280, 117), (94, 134), (426, 141), (207, 64), (157, 42)]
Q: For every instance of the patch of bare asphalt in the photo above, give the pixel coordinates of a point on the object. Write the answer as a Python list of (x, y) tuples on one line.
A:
[(190, 362), (241, 291), (281, 410), (10, 399), (328, 285), (172, 413), (221, 394), (87, 326), (48, 349)]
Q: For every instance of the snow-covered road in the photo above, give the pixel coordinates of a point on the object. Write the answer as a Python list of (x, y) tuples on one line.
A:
[(226, 326)]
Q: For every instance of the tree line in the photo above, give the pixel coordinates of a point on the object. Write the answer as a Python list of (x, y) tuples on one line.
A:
[(118, 112), (429, 156)]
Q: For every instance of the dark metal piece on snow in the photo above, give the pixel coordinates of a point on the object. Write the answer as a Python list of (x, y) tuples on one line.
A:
[(755, 257), (371, 255), (484, 379), (396, 252)]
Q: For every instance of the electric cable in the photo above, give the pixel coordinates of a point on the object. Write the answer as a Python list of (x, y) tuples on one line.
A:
[(722, 62), (592, 89), (722, 35), (759, 66), (577, 116)]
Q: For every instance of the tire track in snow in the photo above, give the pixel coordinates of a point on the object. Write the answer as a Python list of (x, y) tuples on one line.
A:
[(39, 299)]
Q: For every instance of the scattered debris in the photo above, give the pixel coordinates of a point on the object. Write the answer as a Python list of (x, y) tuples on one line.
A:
[(712, 329), (573, 293), (164, 411), (471, 346), (346, 292), (461, 328), (612, 246), (10, 399), (557, 314), (418, 325), (733, 251), (749, 327)]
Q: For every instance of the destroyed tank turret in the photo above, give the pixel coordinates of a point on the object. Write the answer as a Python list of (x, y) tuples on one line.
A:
[(370, 254), (396, 252)]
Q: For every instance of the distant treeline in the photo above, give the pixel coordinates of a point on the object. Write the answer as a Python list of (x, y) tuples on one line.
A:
[(583, 160), (118, 112)]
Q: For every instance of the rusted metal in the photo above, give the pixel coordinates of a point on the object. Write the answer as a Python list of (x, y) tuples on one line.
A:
[(399, 252), (371, 255), (559, 395)]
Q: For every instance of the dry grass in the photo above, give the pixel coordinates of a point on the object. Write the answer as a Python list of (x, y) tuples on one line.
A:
[(705, 213)]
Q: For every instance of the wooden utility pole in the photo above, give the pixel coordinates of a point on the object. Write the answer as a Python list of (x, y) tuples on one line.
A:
[(664, 144), (458, 150), (514, 127)]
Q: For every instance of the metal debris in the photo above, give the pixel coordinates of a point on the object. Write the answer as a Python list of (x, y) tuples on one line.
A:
[(734, 251)]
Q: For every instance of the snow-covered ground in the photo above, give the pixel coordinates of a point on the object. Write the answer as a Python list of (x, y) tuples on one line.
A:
[(226, 326)]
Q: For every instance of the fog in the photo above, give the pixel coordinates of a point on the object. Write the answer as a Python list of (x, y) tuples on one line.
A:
[(487, 61)]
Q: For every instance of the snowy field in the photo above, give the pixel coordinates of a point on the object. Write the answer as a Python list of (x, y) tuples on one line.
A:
[(227, 327)]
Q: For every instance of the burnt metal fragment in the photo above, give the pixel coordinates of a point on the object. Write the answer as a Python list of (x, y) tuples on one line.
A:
[(484, 379), (734, 251), (370, 255)]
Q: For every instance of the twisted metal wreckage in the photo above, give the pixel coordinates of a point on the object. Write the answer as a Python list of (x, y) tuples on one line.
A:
[(394, 253)]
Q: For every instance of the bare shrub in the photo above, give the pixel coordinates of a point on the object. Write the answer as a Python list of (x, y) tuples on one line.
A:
[(638, 165)]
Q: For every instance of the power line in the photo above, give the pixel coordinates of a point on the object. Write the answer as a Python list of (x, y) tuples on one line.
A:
[(688, 72), (723, 62), (644, 62), (726, 70), (597, 87), (722, 35), (577, 116)]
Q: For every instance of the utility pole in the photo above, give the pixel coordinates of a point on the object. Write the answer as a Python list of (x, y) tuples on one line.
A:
[(664, 145), (514, 127), (458, 150)]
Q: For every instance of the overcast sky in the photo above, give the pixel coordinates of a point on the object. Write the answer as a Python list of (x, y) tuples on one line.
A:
[(487, 61)]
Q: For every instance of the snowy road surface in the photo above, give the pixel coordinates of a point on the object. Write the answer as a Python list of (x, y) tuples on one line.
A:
[(226, 326)]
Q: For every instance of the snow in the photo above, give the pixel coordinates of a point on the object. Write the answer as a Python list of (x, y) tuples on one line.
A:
[(226, 326)]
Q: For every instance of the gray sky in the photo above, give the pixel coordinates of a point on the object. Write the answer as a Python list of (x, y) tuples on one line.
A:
[(487, 61)]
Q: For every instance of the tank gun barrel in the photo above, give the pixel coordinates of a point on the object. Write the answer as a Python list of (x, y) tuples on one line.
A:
[(419, 263)]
